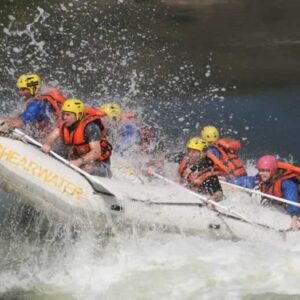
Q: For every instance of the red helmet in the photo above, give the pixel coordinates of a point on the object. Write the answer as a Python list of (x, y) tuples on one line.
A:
[(267, 162)]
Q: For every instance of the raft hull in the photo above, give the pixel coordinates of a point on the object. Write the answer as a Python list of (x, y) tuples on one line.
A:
[(65, 195)]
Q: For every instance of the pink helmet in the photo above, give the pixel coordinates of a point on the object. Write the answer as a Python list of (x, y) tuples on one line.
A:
[(267, 162)]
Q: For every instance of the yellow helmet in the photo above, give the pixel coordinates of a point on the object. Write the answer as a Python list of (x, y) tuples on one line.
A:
[(113, 110), (29, 81), (197, 143), (210, 133), (75, 106)]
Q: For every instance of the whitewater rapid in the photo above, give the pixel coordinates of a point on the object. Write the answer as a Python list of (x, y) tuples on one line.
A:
[(159, 266), (45, 260)]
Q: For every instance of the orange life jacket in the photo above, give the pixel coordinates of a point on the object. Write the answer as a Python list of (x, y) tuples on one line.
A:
[(98, 112), (77, 140), (194, 179), (95, 111), (55, 97), (273, 186), (229, 162)]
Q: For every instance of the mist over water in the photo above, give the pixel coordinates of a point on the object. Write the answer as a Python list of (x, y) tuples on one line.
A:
[(208, 62), (181, 65)]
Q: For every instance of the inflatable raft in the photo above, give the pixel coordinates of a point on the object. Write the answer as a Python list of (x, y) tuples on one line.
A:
[(70, 195)]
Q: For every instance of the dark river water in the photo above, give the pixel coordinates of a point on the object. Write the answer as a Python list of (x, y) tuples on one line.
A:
[(181, 64)]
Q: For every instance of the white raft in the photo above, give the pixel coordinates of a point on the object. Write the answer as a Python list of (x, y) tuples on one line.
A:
[(66, 195), (50, 186)]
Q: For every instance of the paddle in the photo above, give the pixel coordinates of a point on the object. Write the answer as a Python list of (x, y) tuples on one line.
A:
[(238, 216), (95, 182), (260, 193), (128, 169)]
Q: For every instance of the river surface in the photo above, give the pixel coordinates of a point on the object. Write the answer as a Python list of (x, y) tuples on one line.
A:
[(181, 64)]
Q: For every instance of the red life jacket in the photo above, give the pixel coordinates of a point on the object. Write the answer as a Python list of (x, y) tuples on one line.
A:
[(92, 111), (273, 186), (229, 162), (97, 111), (55, 97), (194, 179), (77, 140)]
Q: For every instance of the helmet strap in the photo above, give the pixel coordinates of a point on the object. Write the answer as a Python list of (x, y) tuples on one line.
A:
[(202, 154), (80, 116), (32, 91)]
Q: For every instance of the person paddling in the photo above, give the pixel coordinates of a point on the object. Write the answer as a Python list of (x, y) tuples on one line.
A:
[(122, 128), (280, 180), (223, 151), (196, 170), (41, 111), (127, 133), (83, 136)]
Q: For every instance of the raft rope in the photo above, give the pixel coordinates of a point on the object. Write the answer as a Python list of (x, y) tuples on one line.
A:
[(7, 130)]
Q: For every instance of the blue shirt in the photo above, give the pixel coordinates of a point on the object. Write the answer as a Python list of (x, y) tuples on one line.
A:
[(36, 110), (129, 131), (213, 150), (290, 192), (128, 136), (245, 181), (288, 186)]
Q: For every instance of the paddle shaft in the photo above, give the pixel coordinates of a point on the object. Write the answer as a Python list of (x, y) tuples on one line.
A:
[(89, 177), (260, 193), (204, 199)]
